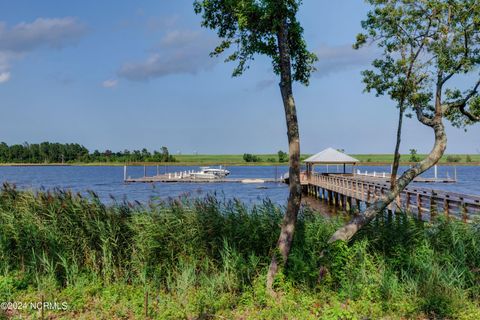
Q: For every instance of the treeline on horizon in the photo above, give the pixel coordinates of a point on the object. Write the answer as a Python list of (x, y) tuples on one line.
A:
[(48, 152)]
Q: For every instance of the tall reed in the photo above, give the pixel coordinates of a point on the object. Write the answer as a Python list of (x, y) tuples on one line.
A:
[(207, 255)]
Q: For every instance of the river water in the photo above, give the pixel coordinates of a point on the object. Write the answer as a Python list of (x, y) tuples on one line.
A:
[(107, 181)]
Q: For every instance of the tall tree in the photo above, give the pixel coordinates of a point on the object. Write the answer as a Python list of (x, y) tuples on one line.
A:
[(447, 37), (268, 27), (395, 73)]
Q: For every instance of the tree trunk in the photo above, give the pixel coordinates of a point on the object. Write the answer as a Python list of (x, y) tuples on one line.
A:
[(346, 232), (397, 186), (295, 189), (396, 155)]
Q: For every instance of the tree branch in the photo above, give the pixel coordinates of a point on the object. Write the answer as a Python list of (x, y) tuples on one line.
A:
[(462, 103), (469, 115), (422, 117)]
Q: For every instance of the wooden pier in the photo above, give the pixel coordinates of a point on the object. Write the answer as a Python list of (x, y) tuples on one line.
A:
[(352, 192)]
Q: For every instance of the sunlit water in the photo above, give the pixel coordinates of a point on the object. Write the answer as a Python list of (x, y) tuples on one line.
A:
[(108, 183)]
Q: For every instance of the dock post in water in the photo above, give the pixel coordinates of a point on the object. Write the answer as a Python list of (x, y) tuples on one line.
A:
[(124, 172)]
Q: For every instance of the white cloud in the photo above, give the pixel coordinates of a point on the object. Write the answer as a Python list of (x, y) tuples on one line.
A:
[(4, 77), (333, 59), (179, 52), (25, 37), (50, 32), (110, 83)]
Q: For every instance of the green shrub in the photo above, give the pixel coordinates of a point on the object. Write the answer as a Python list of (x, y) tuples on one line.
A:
[(413, 156), (452, 158), (247, 157), (282, 156)]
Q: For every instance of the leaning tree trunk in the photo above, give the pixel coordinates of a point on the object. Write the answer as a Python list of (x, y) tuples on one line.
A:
[(346, 232), (295, 190)]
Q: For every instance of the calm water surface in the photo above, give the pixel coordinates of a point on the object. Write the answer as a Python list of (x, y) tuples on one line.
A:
[(107, 182)]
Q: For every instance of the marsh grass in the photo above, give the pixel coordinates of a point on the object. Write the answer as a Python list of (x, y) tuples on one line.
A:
[(207, 258)]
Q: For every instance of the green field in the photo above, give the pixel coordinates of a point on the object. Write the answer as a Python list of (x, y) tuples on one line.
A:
[(267, 158)]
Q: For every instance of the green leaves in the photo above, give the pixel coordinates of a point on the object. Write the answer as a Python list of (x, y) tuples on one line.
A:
[(250, 27), (361, 40), (425, 44)]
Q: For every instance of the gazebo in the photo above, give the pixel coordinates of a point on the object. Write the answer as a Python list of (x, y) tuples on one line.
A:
[(329, 156)]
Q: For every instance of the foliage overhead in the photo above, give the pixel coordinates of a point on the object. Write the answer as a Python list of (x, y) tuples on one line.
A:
[(250, 27), (425, 44)]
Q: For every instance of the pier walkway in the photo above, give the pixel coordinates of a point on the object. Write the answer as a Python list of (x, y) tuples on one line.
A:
[(353, 191)]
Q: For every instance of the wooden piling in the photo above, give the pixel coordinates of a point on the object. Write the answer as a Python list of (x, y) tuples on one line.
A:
[(358, 204), (464, 211), (419, 205), (433, 206), (446, 207)]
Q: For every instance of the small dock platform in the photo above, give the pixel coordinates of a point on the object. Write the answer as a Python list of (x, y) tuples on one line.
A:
[(191, 177), (171, 179)]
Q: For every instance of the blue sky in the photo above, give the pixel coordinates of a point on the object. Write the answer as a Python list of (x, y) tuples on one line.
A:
[(129, 74)]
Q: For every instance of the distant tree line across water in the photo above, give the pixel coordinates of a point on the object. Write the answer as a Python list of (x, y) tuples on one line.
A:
[(48, 152)]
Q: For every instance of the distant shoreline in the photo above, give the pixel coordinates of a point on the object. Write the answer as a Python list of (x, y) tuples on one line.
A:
[(264, 160), (214, 163)]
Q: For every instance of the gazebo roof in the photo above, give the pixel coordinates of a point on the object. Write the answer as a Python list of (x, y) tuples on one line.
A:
[(331, 156)]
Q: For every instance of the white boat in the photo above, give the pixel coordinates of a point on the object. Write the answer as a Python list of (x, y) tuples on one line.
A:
[(210, 173)]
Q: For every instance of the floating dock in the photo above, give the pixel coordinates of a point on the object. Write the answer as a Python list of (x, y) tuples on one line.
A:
[(171, 179), (190, 177)]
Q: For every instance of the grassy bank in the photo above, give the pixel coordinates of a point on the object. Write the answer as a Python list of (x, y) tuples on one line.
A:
[(268, 159), (207, 259), (367, 158)]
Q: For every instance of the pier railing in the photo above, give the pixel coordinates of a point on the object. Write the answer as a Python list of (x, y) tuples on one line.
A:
[(422, 201)]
